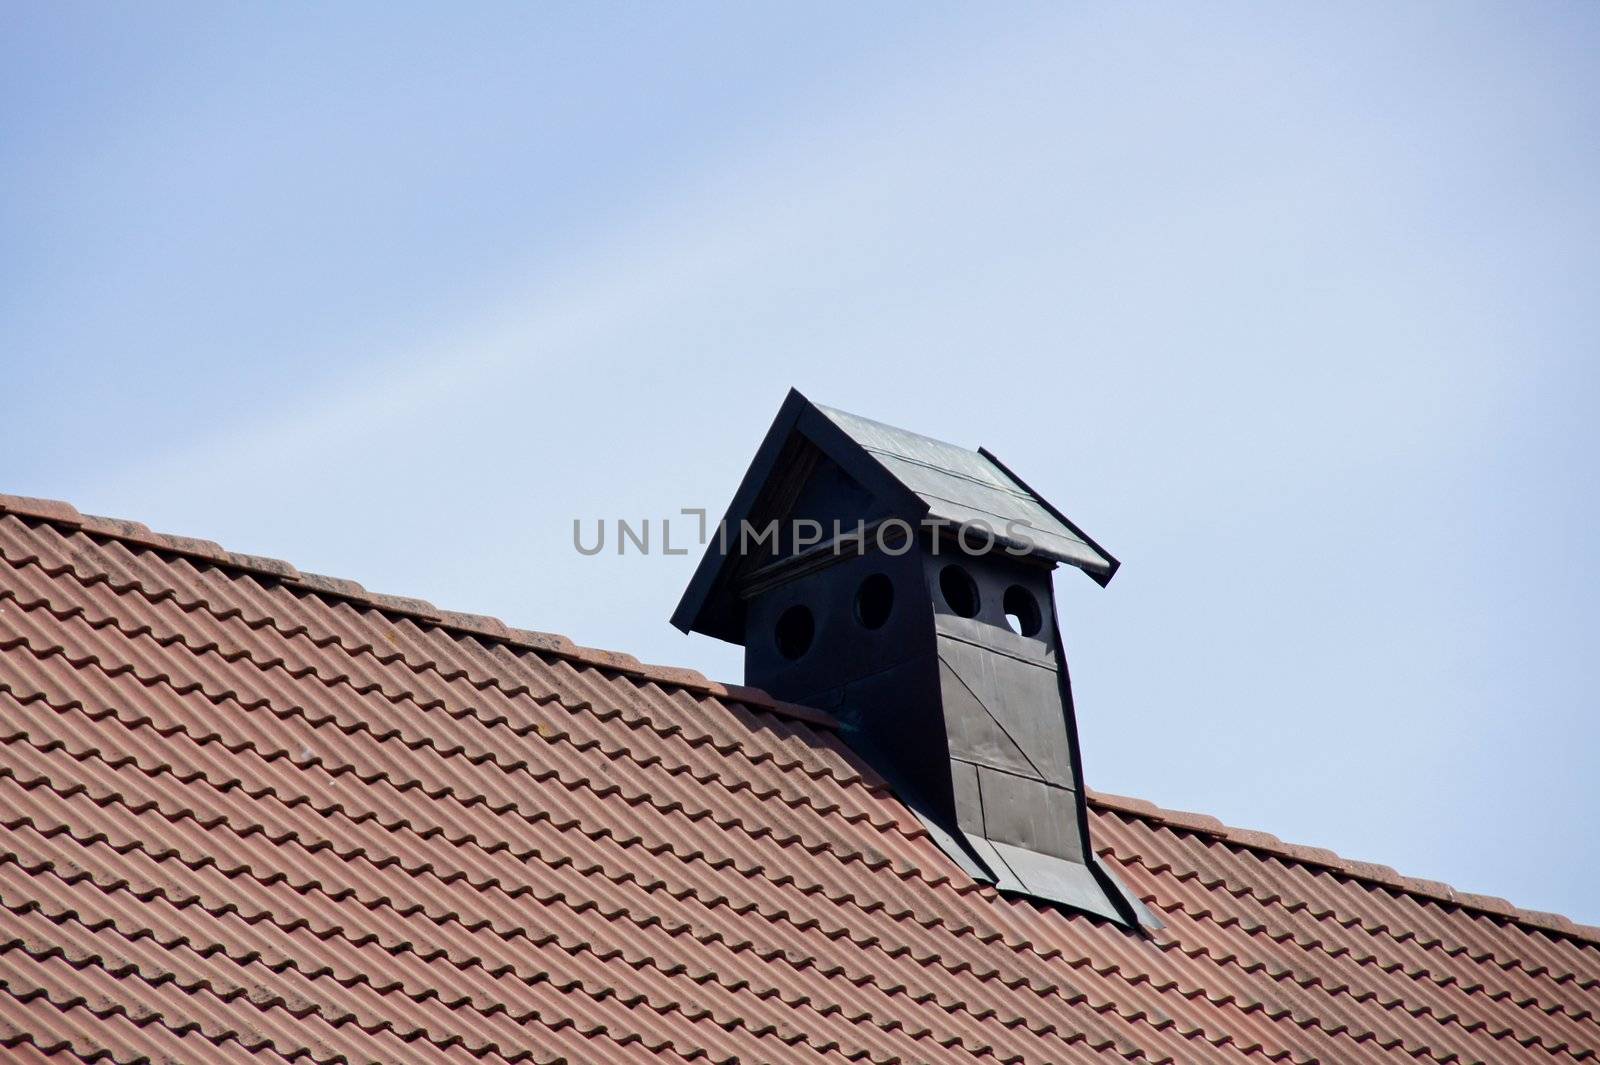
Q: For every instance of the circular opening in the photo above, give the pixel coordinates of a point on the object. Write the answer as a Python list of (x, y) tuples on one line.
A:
[(1022, 611), (794, 632), (959, 591), (874, 600)]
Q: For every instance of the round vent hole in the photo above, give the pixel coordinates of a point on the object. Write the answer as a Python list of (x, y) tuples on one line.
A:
[(794, 632), (874, 601), (959, 590), (1022, 611)]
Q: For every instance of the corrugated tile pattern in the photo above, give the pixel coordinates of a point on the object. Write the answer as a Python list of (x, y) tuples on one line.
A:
[(253, 815)]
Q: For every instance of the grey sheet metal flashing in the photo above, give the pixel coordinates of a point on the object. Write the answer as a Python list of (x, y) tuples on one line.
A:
[(953, 843), (1142, 914), (984, 862)]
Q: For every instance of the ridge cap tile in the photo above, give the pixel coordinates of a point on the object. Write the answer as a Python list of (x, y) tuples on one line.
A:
[(136, 532), (262, 564), (477, 625), (1423, 886), (340, 586), (53, 510), (619, 661), (404, 604), (552, 642), (1488, 903), (189, 545)]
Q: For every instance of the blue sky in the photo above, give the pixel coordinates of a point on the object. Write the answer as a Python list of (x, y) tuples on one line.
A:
[(1291, 307)]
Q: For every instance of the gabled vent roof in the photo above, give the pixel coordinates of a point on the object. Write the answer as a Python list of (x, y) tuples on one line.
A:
[(921, 476)]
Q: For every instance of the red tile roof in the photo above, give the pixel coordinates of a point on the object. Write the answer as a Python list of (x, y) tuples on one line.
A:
[(252, 814)]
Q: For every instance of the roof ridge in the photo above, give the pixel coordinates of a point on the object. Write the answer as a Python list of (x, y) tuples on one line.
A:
[(57, 512), (1370, 872)]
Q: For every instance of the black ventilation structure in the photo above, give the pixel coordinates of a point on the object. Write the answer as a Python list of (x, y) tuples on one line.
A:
[(904, 584)]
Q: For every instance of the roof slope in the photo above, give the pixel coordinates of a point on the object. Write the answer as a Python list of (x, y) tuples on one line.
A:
[(249, 814), (959, 486)]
